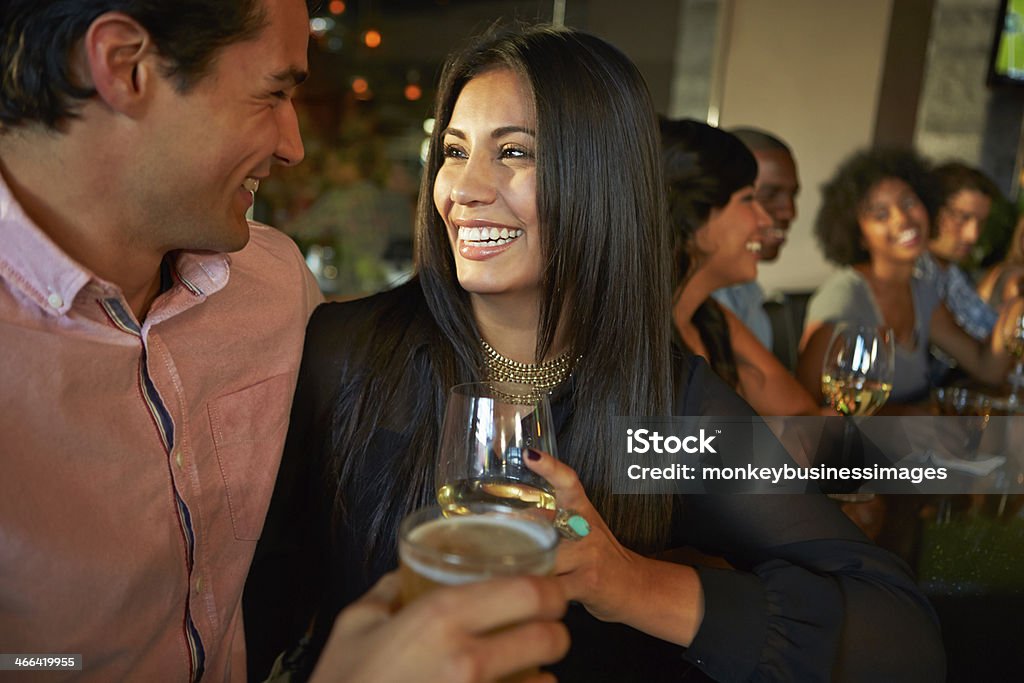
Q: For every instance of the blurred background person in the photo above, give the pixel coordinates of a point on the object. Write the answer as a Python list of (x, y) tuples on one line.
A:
[(1005, 280), (965, 201), (874, 221), (775, 188), (357, 227), (718, 229)]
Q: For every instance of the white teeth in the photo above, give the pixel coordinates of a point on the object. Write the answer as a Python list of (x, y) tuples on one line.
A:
[(754, 247), (251, 184), (907, 235), (496, 235)]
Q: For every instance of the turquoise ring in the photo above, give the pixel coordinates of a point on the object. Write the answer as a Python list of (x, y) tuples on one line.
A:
[(571, 525)]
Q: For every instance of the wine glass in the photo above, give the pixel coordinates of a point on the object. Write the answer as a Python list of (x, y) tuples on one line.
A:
[(857, 373), (974, 410), (856, 380), (487, 429), (1015, 347)]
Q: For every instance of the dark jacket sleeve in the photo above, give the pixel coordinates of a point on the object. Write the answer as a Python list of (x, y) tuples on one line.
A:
[(809, 598), (296, 573), (286, 579)]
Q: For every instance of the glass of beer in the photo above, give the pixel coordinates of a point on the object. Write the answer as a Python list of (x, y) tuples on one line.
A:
[(488, 428), (488, 541)]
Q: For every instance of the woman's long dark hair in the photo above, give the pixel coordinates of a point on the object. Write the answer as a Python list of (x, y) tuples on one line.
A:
[(704, 166), (607, 268)]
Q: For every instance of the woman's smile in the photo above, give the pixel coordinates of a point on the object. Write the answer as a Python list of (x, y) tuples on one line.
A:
[(488, 237)]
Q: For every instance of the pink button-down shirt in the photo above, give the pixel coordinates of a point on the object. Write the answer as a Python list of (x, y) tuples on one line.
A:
[(137, 459)]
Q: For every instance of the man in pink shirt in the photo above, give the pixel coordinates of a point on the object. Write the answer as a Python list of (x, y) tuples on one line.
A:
[(151, 338)]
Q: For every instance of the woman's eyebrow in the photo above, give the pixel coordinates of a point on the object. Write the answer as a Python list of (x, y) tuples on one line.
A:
[(496, 133)]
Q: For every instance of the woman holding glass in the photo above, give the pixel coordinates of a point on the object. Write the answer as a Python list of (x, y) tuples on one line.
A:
[(875, 222), (542, 247)]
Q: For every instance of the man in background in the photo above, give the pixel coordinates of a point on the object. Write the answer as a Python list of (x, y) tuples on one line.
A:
[(147, 373), (775, 189), (964, 203)]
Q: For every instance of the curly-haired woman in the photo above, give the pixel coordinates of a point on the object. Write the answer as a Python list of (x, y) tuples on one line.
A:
[(875, 222)]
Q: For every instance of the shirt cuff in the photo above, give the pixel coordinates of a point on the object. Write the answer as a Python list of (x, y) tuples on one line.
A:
[(728, 644)]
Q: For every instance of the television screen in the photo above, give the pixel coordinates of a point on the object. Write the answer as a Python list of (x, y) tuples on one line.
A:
[(1007, 64)]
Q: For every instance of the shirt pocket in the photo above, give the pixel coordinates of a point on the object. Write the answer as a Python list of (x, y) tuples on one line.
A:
[(249, 428)]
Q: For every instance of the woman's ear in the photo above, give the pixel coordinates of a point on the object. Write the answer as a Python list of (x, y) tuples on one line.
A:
[(116, 59), (699, 245)]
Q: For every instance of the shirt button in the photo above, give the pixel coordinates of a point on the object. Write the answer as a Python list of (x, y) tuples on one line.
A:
[(55, 300), (178, 459)]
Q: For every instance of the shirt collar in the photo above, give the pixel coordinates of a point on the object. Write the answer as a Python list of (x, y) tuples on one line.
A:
[(202, 272), (32, 263), (925, 267), (35, 265)]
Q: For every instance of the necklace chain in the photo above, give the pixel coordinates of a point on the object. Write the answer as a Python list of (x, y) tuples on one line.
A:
[(541, 376)]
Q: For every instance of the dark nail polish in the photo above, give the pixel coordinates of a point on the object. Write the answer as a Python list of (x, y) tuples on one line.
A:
[(532, 455)]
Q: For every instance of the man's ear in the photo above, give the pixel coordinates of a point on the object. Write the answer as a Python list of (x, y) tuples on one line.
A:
[(118, 59)]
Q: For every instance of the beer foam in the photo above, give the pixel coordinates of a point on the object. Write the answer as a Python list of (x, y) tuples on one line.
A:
[(495, 540)]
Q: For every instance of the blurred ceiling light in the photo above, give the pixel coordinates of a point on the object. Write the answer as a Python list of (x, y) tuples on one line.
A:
[(413, 92), (372, 38), (336, 7), (359, 85), (318, 26)]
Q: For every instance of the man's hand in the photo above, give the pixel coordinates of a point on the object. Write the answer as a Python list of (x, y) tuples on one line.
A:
[(463, 634)]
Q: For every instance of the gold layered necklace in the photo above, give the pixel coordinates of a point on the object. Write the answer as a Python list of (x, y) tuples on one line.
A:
[(543, 377)]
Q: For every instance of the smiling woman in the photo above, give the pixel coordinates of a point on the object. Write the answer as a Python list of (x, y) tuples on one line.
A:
[(542, 240), (875, 220), (718, 225)]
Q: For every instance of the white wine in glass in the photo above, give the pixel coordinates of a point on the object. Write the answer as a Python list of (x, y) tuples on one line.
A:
[(856, 380), (854, 396), (488, 429), (857, 373)]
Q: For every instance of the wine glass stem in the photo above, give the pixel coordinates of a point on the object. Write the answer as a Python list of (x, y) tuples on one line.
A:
[(849, 435), (1017, 379)]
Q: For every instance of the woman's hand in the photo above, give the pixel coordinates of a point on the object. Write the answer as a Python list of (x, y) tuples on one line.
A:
[(612, 582), (986, 361), (596, 570)]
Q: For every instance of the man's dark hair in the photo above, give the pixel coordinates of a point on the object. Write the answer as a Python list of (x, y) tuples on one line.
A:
[(37, 38), (837, 226), (758, 140), (954, 176)]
